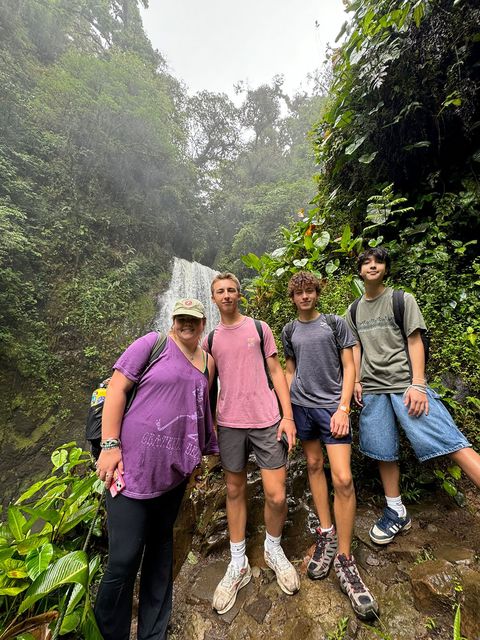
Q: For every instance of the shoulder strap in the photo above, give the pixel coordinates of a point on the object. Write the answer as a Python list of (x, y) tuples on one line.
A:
[(210, 341), (157, 349), (398, 299), (258, 327), (330, 320), (288, 329), (353, 312)]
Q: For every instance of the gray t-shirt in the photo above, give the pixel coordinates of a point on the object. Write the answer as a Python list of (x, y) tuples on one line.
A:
[(385, 367), (318, 370)]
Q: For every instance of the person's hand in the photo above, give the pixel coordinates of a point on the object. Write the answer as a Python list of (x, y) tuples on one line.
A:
[(416, 401), (339, 424), (287, 426), (109, 461), (357, 393)]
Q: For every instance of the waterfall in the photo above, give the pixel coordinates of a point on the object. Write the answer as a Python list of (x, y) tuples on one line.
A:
[(189, 280)]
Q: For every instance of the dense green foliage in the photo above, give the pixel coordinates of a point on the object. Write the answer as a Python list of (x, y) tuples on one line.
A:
[(402, 116), (45, 569)]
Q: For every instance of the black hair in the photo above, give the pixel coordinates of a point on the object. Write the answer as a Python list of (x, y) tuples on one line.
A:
[(379, 253)]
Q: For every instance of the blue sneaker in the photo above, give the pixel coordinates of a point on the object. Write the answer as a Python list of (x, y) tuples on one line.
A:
[(388, 525)]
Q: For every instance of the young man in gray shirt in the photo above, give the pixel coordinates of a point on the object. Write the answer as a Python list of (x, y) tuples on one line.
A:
[(320, 372)]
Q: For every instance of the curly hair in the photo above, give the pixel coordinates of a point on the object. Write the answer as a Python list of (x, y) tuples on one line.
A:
[(301, 280)]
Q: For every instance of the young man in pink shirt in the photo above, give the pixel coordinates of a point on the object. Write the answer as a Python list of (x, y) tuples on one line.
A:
[(248, 418)]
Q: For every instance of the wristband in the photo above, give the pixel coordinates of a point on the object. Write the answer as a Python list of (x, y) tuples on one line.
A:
[(358, 382), (284, 418), (344, 408), (110, 443)]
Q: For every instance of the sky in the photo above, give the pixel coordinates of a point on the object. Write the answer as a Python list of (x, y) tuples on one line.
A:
[(213, 44)]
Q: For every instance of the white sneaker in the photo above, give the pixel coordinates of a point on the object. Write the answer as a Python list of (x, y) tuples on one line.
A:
[(228, 587), (287, 577)]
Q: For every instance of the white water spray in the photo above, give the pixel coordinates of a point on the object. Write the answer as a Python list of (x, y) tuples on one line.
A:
[(189, 280)]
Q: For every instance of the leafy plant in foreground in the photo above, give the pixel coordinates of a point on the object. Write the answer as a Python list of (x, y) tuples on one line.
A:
[(44, 571)]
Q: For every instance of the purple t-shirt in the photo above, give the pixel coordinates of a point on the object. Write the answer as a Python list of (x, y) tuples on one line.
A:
[(169, 425)]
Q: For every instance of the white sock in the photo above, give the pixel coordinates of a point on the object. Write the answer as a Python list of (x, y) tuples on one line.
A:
[(397, 505), (272, 543), (329, 530), (237, 550)]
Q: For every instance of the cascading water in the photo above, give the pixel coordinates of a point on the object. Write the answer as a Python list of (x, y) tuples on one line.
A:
[(189, 280)]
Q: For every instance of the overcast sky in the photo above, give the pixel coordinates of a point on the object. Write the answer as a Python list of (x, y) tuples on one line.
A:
[(212, 44)]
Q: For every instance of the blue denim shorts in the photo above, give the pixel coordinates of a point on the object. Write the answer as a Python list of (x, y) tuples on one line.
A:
[(430, 436), (314, 424)]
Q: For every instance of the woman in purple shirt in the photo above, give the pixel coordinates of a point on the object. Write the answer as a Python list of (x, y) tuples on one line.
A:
[(153, 448)]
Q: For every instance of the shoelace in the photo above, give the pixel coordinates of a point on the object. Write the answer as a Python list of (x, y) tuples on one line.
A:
[(281, 560), (351, 574), (231, 576), (321, 544)]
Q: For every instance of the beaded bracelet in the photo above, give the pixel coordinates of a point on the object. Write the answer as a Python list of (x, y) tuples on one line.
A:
[(110, 443)]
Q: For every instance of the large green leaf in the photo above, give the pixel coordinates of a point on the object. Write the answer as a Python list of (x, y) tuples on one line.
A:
[(13, 587), (322, 241), (354, 146), (16, 521), (70, 622), (38, 560), (72, 568), (90, 629), (33, 542), (36, 487), (76, 517)]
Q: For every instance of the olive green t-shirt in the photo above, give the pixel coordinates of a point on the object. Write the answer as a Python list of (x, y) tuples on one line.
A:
[(385, 367)]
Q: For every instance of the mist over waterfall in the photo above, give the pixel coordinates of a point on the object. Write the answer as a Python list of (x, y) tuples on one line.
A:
[(189, 280)]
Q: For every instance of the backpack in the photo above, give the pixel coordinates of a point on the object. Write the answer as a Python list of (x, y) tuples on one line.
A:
[(398, 299), (93, 428)]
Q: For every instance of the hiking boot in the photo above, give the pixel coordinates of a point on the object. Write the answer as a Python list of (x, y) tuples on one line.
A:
[(323, 556), (362, 601), (388, 525), (228, 587), (287, 577)]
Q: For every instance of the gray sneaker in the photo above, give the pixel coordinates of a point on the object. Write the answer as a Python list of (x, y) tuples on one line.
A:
[(362, 601), (323, 556), (228, 587)]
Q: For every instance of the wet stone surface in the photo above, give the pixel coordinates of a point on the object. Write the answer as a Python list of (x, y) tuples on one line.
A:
[(417, 579)]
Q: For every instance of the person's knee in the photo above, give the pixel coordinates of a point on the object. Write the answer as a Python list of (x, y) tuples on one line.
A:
[(315, 466), (235, 490), (276, 498), (343, 483)]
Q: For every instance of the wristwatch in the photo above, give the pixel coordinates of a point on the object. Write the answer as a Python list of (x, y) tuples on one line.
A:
[(344, 407)]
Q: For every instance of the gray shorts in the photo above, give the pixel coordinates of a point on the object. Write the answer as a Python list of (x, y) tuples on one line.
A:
[(236, 444)]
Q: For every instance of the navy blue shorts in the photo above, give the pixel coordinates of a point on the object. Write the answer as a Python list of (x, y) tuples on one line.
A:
[(314, 424)]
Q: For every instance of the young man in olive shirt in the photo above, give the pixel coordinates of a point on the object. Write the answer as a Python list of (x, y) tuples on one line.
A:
[(390, 386)]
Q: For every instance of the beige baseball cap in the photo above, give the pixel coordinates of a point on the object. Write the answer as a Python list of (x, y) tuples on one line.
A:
[(189, 307)]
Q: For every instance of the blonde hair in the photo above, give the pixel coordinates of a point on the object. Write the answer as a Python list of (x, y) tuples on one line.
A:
[(225, 276)]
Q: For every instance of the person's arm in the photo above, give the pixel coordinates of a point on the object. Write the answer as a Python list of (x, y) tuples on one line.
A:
[(290, 367), (416, 395), (110, 460), (357, 359), (340, 422), (287, 423)]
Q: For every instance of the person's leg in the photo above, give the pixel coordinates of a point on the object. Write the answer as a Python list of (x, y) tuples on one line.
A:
[(317, 481), (156, 583), (126, 520), (469, 461), (233, 445), (344, 502), (379, 440), (275, 499), (236, 482)]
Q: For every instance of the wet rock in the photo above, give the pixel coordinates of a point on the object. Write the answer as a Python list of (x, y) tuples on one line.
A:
[(399, 615), (258, 607), (204, 586), (256, 572), (455, 554), (242, 596), (470, 581), (196, 627), (432, 585)]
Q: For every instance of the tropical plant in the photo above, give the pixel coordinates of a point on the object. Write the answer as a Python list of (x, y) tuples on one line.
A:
[(45, 570)]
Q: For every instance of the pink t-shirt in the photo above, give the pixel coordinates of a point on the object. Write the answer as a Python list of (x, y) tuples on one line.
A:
[(245, 399)]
